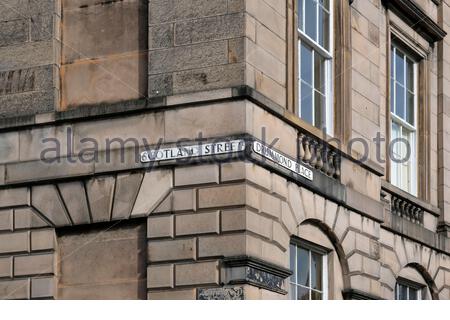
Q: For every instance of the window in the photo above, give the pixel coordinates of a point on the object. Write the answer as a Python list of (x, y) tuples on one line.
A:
[(407, 292), (403, 121), (315, 62), (309, 278)]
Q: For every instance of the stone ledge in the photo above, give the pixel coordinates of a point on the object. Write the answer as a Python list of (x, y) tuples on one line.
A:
[(256, 272)]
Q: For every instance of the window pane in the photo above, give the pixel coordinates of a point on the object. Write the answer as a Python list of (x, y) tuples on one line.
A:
[(413, 294), (395, 133), (324, 27), (311, 19), (303, 267), (319, 110), (392, 96), (402, 292), (316, 271), (302, 293), (306, 66), (300, 14), (316, 295), (409, 75), (410, 108), (400, 101), (399, 67), (319, 72), (306, 103), (292, 259), (392, 62)]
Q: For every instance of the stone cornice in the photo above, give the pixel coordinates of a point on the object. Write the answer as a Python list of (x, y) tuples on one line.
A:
[(418, 19)]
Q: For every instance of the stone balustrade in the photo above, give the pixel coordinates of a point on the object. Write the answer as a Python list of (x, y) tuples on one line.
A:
[(319, 155), (404, 208)]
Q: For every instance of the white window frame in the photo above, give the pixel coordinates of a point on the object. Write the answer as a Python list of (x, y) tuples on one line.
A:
[(328, 55), (310, 249), (413, 182)]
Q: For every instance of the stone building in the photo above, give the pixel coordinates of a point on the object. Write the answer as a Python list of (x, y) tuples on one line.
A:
[(225, 149)]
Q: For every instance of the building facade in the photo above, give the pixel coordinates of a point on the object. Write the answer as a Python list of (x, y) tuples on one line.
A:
[(225, 149)]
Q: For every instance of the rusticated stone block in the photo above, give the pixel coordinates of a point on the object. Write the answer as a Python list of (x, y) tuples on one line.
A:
[(222, 196), (224, 245), (182, 294), (160, 276), (198, 223), (13, 32), (197, 273), (42, 288), (14, 242), (5, 267), (160, 227), (172, 250), (14, 289), (33, 265), (209, 29), (188, 57), (43, 240), (167, 11), (192, 175)]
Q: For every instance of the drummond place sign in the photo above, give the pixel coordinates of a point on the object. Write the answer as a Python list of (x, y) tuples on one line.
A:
[(225, 147)]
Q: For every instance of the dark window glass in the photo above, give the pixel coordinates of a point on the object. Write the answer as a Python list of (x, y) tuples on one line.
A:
[(303, 267), (306, 68), (306, 103), (400, 101), (311, 19)]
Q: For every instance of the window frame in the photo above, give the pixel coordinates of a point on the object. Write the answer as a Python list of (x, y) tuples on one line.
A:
[(403, 124), (410, 285), (302, 37), (311, 248)]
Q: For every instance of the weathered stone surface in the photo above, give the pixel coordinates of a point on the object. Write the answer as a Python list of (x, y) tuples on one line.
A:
[(42, 287), (6, 219), (74, 197), (5, 267), (209, 78), (100, 191), (14, 289), (33, 265), (14, 242), (215, 120), (13, 32), (126, 190), (160, 85), (182, 294), (188, 57), (172, 10), (222, 196), (43, 240), (28, 218), (46, 199), (14, 197), (198, 223), (161, 36), (197, 273), (171, 250), (154, 188), (224, 245), (192, 175), (209, 29), (42, 27), (115, 258), (160, 227), (160, 276)]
